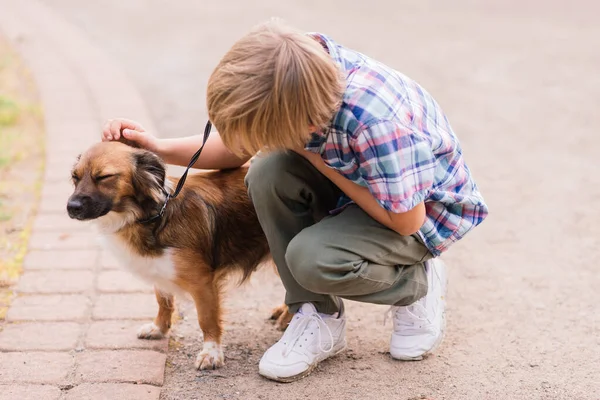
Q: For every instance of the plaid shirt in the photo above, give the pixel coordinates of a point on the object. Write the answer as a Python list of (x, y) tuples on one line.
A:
[(392, 137)]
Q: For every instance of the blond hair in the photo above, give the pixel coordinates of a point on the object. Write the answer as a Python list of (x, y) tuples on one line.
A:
[(270, 87)]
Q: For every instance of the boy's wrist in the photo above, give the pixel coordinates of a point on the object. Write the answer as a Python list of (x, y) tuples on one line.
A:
[(161, 148), (164, 149)]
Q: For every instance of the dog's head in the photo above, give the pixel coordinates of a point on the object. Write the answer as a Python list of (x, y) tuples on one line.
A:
[(114, 177)]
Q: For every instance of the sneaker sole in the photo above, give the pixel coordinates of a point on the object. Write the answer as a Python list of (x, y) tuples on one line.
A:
[(304, 374), (440, 339)]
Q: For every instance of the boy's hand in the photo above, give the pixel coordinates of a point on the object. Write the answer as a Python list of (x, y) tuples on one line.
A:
[(130, 130)]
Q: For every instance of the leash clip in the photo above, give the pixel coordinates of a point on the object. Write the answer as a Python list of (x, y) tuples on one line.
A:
[(164, 207)]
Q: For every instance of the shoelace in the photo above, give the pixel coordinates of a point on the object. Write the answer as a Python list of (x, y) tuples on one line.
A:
[(406, 320), (300, 326)]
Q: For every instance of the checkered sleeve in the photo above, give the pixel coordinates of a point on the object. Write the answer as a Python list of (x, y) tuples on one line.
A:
[(396, 164)]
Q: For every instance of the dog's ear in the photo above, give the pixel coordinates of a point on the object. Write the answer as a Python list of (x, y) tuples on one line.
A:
[(149, 175)]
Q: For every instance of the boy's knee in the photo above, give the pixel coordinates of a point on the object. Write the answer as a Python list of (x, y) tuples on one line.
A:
[(303, 260), (269, 171), (416, 288)]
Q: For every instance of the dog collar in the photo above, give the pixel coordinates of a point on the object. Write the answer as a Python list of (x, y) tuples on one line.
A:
[(181, 182)]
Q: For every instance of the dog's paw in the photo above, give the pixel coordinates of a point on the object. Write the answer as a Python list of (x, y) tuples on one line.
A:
[(281, 317), (211, 356), (150, 331), (277, 311)]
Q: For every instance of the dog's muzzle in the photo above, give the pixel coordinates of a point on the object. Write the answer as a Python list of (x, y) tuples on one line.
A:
[(84, 207)]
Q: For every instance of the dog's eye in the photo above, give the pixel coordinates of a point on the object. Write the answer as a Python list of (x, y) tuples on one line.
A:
[(104, 177), (75, 178)]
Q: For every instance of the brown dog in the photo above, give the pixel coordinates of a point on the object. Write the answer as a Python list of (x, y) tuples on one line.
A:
[(205, 233)]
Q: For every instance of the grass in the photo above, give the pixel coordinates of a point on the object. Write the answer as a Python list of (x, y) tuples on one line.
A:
[(21, 166), (9, 111), (9, 115)]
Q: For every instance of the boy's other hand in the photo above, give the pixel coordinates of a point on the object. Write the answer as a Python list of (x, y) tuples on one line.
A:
[(114, 129)]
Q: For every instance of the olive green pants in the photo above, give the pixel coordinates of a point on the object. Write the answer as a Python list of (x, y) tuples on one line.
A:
[(322, 257)]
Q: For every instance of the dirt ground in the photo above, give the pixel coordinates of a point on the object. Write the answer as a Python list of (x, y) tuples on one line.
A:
[(520, 84)]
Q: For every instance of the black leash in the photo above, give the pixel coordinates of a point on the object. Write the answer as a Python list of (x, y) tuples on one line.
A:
[(181, 180)]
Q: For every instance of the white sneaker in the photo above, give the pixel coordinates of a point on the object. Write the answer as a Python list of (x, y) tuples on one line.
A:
[(419, 328), (309, 339)]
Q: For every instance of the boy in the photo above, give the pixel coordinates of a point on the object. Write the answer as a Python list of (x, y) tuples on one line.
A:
[(359, 184)]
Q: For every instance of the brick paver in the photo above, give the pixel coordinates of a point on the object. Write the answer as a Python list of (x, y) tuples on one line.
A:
[(56, 282), (121, 391), (118, 281), (54, 205), (57, 189), (71, 329), (35, 367), (125, 306), (29, 392), (48, 308), (55, 173), (40, 336), (58, 221), (61, 259), (120, 334), (135, 366), (107, 261), (63, 241)]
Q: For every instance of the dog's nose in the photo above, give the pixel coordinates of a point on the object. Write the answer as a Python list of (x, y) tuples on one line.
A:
[(74, 206), (77, 205)]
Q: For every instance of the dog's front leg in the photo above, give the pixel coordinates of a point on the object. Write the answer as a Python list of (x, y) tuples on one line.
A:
[(162, 323), (206, 296)]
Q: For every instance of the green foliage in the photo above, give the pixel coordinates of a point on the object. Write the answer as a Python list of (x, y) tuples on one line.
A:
[(9, 112)]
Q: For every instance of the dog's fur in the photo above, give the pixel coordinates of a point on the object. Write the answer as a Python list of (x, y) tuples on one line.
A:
[(207, 232)]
